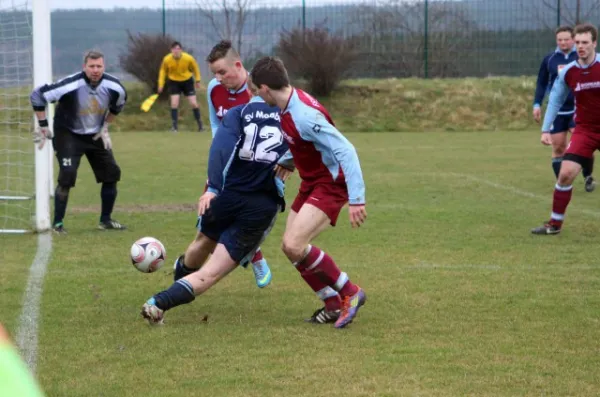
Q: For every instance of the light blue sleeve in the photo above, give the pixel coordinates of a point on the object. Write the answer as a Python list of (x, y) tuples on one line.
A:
[(287, 161), (212, 112), (560, 91), (314, 127)]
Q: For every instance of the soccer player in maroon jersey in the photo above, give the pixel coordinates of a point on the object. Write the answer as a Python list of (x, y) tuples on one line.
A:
[(331, 177), (582, 77), (229, 87)]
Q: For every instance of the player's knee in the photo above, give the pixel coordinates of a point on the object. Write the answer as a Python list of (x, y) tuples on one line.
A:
[(292, 248), (62, 192), (112, 174), (67, 177)]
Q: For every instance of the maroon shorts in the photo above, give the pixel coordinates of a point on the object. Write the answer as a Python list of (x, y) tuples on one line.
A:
[(584, 142), (329, 198)]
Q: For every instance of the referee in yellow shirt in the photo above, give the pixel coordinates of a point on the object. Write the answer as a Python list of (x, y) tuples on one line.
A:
[(182, 71)]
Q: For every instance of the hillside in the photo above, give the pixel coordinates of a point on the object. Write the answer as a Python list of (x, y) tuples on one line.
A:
[(413, 105)]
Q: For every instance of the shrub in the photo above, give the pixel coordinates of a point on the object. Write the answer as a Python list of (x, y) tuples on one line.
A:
[(315, 55), (143, 57)]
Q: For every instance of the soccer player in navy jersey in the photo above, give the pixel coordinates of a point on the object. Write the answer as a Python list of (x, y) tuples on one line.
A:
[(239, 207), (582, 77), (229, 88), (551, 65), (331, 177)]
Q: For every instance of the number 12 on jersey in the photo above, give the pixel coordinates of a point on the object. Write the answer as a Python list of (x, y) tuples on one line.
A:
[(259, 143)]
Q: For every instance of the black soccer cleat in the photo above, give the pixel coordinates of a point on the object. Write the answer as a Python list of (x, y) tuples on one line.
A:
[(111, 225), (546, 229), (322, 316), (590, 184), (59, 228), (179, 270)]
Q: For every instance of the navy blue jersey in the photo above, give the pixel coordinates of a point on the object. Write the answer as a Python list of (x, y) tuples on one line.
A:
[(247, 146), (81, 107), (549, 69)]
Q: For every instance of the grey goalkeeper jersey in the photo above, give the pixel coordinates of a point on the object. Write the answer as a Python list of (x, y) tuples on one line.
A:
[(81, 107)]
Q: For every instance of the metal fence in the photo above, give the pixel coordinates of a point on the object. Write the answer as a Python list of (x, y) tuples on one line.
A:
[(396, 38)]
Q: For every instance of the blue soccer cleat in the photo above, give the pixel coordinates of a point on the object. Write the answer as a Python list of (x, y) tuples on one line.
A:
[(350, 306), (262, 273)]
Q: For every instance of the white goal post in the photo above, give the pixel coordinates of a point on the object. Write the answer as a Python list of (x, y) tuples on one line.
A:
[(25, 46)]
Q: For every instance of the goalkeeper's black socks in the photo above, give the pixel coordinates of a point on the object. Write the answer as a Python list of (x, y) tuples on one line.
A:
[(61, 197), (108, 194), (174, 118)]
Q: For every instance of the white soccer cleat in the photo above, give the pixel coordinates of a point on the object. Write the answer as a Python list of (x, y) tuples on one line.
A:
[(152, 313)]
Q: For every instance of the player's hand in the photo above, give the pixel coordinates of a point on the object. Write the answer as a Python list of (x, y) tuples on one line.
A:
[(105, 136), (204, 202), (197, 84), (537, 115), (40, 135), (546, 139), (160, 90), (358, 215), (282, 172)]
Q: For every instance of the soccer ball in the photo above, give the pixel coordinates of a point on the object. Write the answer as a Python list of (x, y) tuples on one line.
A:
[(148, 254)]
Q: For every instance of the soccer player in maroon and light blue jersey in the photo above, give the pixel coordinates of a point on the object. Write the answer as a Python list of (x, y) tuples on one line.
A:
[(582, 77), (331, 177)]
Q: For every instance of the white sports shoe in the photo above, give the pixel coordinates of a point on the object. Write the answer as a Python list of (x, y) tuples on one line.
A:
[(152, 313)]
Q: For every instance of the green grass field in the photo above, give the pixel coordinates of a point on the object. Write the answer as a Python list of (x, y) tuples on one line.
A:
[(462, 299)]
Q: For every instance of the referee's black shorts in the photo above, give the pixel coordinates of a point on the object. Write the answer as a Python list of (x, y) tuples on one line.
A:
[(185, 88), (69, 149)]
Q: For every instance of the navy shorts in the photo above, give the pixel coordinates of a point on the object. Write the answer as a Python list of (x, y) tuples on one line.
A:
[(239, 221), (562, 123)]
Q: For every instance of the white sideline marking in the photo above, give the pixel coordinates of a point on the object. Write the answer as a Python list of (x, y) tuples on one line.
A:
[(518, 191), (27, 334)]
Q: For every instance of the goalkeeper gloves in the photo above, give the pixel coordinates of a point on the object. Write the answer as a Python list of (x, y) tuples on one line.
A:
[(42, 133), (105, 136)]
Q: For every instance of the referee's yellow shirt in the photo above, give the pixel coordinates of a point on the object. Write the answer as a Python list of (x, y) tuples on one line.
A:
[(178, 69)]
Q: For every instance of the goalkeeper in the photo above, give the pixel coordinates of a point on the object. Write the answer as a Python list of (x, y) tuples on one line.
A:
[(88, 102)]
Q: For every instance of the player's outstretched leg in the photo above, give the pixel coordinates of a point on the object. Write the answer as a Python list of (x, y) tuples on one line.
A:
[(313, 263), (188, 288), (194, 257), (563, 192), (262, 272)]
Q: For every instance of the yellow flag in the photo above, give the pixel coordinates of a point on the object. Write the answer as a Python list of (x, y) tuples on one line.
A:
[(148, 102)]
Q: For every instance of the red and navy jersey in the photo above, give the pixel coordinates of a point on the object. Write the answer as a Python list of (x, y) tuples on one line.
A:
[(317, 149), (584, 82), (220, 100)]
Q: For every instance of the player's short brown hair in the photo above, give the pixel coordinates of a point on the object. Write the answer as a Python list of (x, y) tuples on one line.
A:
[(92, 54), (222, 49), (176, 44), (587, 28), (564, 28), (270, 71)]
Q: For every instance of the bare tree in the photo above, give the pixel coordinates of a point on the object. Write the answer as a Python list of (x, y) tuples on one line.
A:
[(227, 17), (393, 37), (570, 16)]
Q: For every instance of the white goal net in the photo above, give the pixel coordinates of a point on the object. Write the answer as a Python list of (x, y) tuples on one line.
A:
[(17, 152)]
